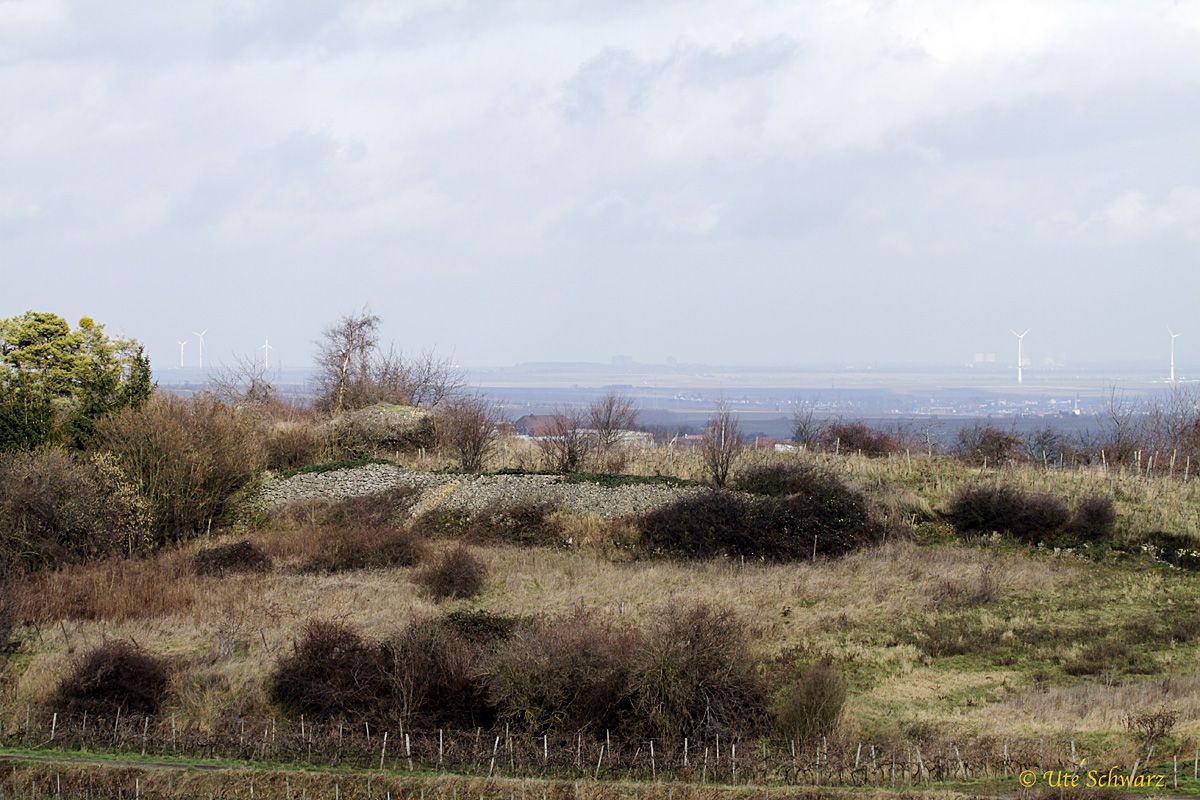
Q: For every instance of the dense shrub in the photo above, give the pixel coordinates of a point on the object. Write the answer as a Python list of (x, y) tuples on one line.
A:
[(189, 458), (693, 674), (483, 627), (857, 437), (115, 675), (779, 480), (437, 676), (525, 522), (827, 516), (1093, 518), (378, 510), (1028, 516), (380, 428), (290, 446), (812, 705), (353, 547), (981, 443), (568, 674), (333, 671), (243, 556), (56, 507), (457, 574)]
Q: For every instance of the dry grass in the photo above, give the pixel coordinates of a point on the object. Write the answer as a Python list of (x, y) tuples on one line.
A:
[(863, 611)]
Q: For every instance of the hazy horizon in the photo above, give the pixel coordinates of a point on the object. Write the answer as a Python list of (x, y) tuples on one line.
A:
[(867, 183)]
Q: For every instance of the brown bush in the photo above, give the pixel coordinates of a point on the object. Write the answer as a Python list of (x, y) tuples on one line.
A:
[(466, 427), (568, 674), (457, 574), (828, 517), (379, 510), (858, 437), (57, 508), (333, 671), (1093, 518), (291, 445), (525, 522), (364, 547), (1028, 516), (115, 675), (189, 458), (982, 443), (437, 676), (693, 674), (243, 556), (812, 705)]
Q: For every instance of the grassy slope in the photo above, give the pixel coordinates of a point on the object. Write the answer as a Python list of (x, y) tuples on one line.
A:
[(1016, 619)]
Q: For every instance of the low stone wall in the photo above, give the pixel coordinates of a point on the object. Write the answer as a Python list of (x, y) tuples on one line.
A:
[(473, 492)]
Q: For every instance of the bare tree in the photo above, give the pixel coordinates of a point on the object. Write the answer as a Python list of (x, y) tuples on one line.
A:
[(609, 417), (722, 444), (245, 383), (352, 372), (806, 430), (565, 441), (344, 355), (466, 426)]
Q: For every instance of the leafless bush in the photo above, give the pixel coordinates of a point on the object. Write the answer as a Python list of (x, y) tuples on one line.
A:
[(291, 445), (693, 674), (56, 507), (722, 445), (566, 674), (352, 372), (437, 676), (1152, 725), (812, 705), (364, 546), (609, 417), (332, 671), (566, 442), (457, 574), (245, 384), (189, 458), (115, 675), (243, 556), (858, 437), (806, 429), (466, 426), (983, 443)]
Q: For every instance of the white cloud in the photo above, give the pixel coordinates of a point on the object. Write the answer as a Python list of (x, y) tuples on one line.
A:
[(1136, 215)]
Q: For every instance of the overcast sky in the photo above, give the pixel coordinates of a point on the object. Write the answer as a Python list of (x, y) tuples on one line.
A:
[(719, 182)]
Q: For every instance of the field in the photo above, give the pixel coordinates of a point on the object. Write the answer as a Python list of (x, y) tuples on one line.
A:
[(978, 652)]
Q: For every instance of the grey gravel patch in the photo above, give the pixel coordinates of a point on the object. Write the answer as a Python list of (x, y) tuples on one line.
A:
[(474, 492)]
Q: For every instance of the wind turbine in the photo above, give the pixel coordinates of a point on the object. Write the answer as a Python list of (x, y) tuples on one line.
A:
[(266, 348), (1174, 336), (200, 336), (1020, 354), (182, 344)]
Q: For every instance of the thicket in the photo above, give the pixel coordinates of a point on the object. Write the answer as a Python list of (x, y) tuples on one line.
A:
[(115, 675), (1032, 517), (366, 532), (688, 672), (457, 574), (188, 458), (799, 510), (243, 556), (57, 507)]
